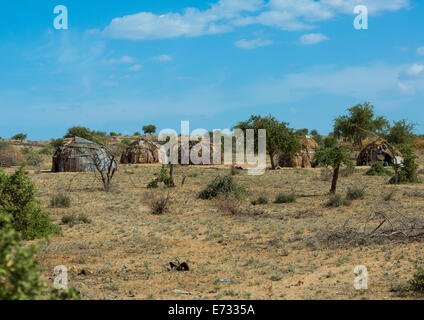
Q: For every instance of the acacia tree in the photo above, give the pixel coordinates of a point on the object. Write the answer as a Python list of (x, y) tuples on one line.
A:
[(279, 137), (149, 129), (401, 133), (105, 165), (360, 119), (333, 156)]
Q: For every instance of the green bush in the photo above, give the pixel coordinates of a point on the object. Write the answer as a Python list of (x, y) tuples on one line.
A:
[(417, 282), (355, 193), (221, 185), (73, 220), (60, 200), (285, 198), (260, 200), (337, 200), (161, 176), (377, 169), (408, 173), (19, 274), (17, 198)]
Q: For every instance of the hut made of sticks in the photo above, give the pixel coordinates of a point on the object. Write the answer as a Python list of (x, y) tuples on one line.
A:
[(142, 151), (81, 155), (378, 151), (193, 148), (304, 158)]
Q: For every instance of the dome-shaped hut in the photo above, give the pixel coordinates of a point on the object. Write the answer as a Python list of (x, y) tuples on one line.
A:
[(142, 151), (304, 158), (81, 155), (195, 149), (378, 151)]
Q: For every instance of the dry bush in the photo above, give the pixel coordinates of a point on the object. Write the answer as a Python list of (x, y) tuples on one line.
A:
[(380, 227), (234, 206), (230, 205), (347, 171), (158, 202)]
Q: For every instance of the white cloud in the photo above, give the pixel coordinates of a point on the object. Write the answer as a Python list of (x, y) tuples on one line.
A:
[(369, 82), (312, 38), (420, 51), (415, 69), (253, 44), (135, 68), (224, 15), (192, 22), (124, 59), (163, 57)]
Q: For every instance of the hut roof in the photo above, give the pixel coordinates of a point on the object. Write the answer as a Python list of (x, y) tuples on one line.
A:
[(81, 155), (142, 151), (378, 150)]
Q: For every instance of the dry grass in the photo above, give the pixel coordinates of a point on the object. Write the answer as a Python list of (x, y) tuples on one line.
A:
[(127, 250)]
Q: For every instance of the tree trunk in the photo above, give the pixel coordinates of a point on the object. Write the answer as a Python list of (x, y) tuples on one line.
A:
[(271, 155), (335, 179), (171, 174)]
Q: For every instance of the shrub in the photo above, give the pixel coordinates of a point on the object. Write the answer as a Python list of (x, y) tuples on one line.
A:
[(32, 158), (408, 173), (19, 274), (355, 193), (285, 198), (73, 220), (337, 200), (347, 171), (221, 185), (161, 176), (229, 205), (377, 169), (389, 196), (60, 200), (417, 282), (17, 198), (260, 200), (45, 151), (159, 203)]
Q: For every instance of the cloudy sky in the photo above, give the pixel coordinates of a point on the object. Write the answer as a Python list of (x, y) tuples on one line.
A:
[(124, 64)]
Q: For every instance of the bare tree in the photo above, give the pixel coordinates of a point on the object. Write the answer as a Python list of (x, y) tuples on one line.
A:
[(105, 165)]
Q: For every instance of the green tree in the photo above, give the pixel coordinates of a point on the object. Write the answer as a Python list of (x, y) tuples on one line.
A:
[(279, 137), (360, 120), (401, 133), (86, 133), (19, 274), (17, 199), (149, 129), (333, 156), (56, 143), (20, 137), (316, 136)]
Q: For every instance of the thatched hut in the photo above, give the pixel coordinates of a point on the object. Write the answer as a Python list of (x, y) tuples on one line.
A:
[(195, 146), (10, 156), (378, 151), (81, 155), (304, 158), (142, 151)]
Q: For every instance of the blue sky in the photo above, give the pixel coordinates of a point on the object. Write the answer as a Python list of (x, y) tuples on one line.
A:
[(124, 64)]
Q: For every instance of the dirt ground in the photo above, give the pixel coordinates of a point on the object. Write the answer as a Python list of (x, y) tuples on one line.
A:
[(125, 251)]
